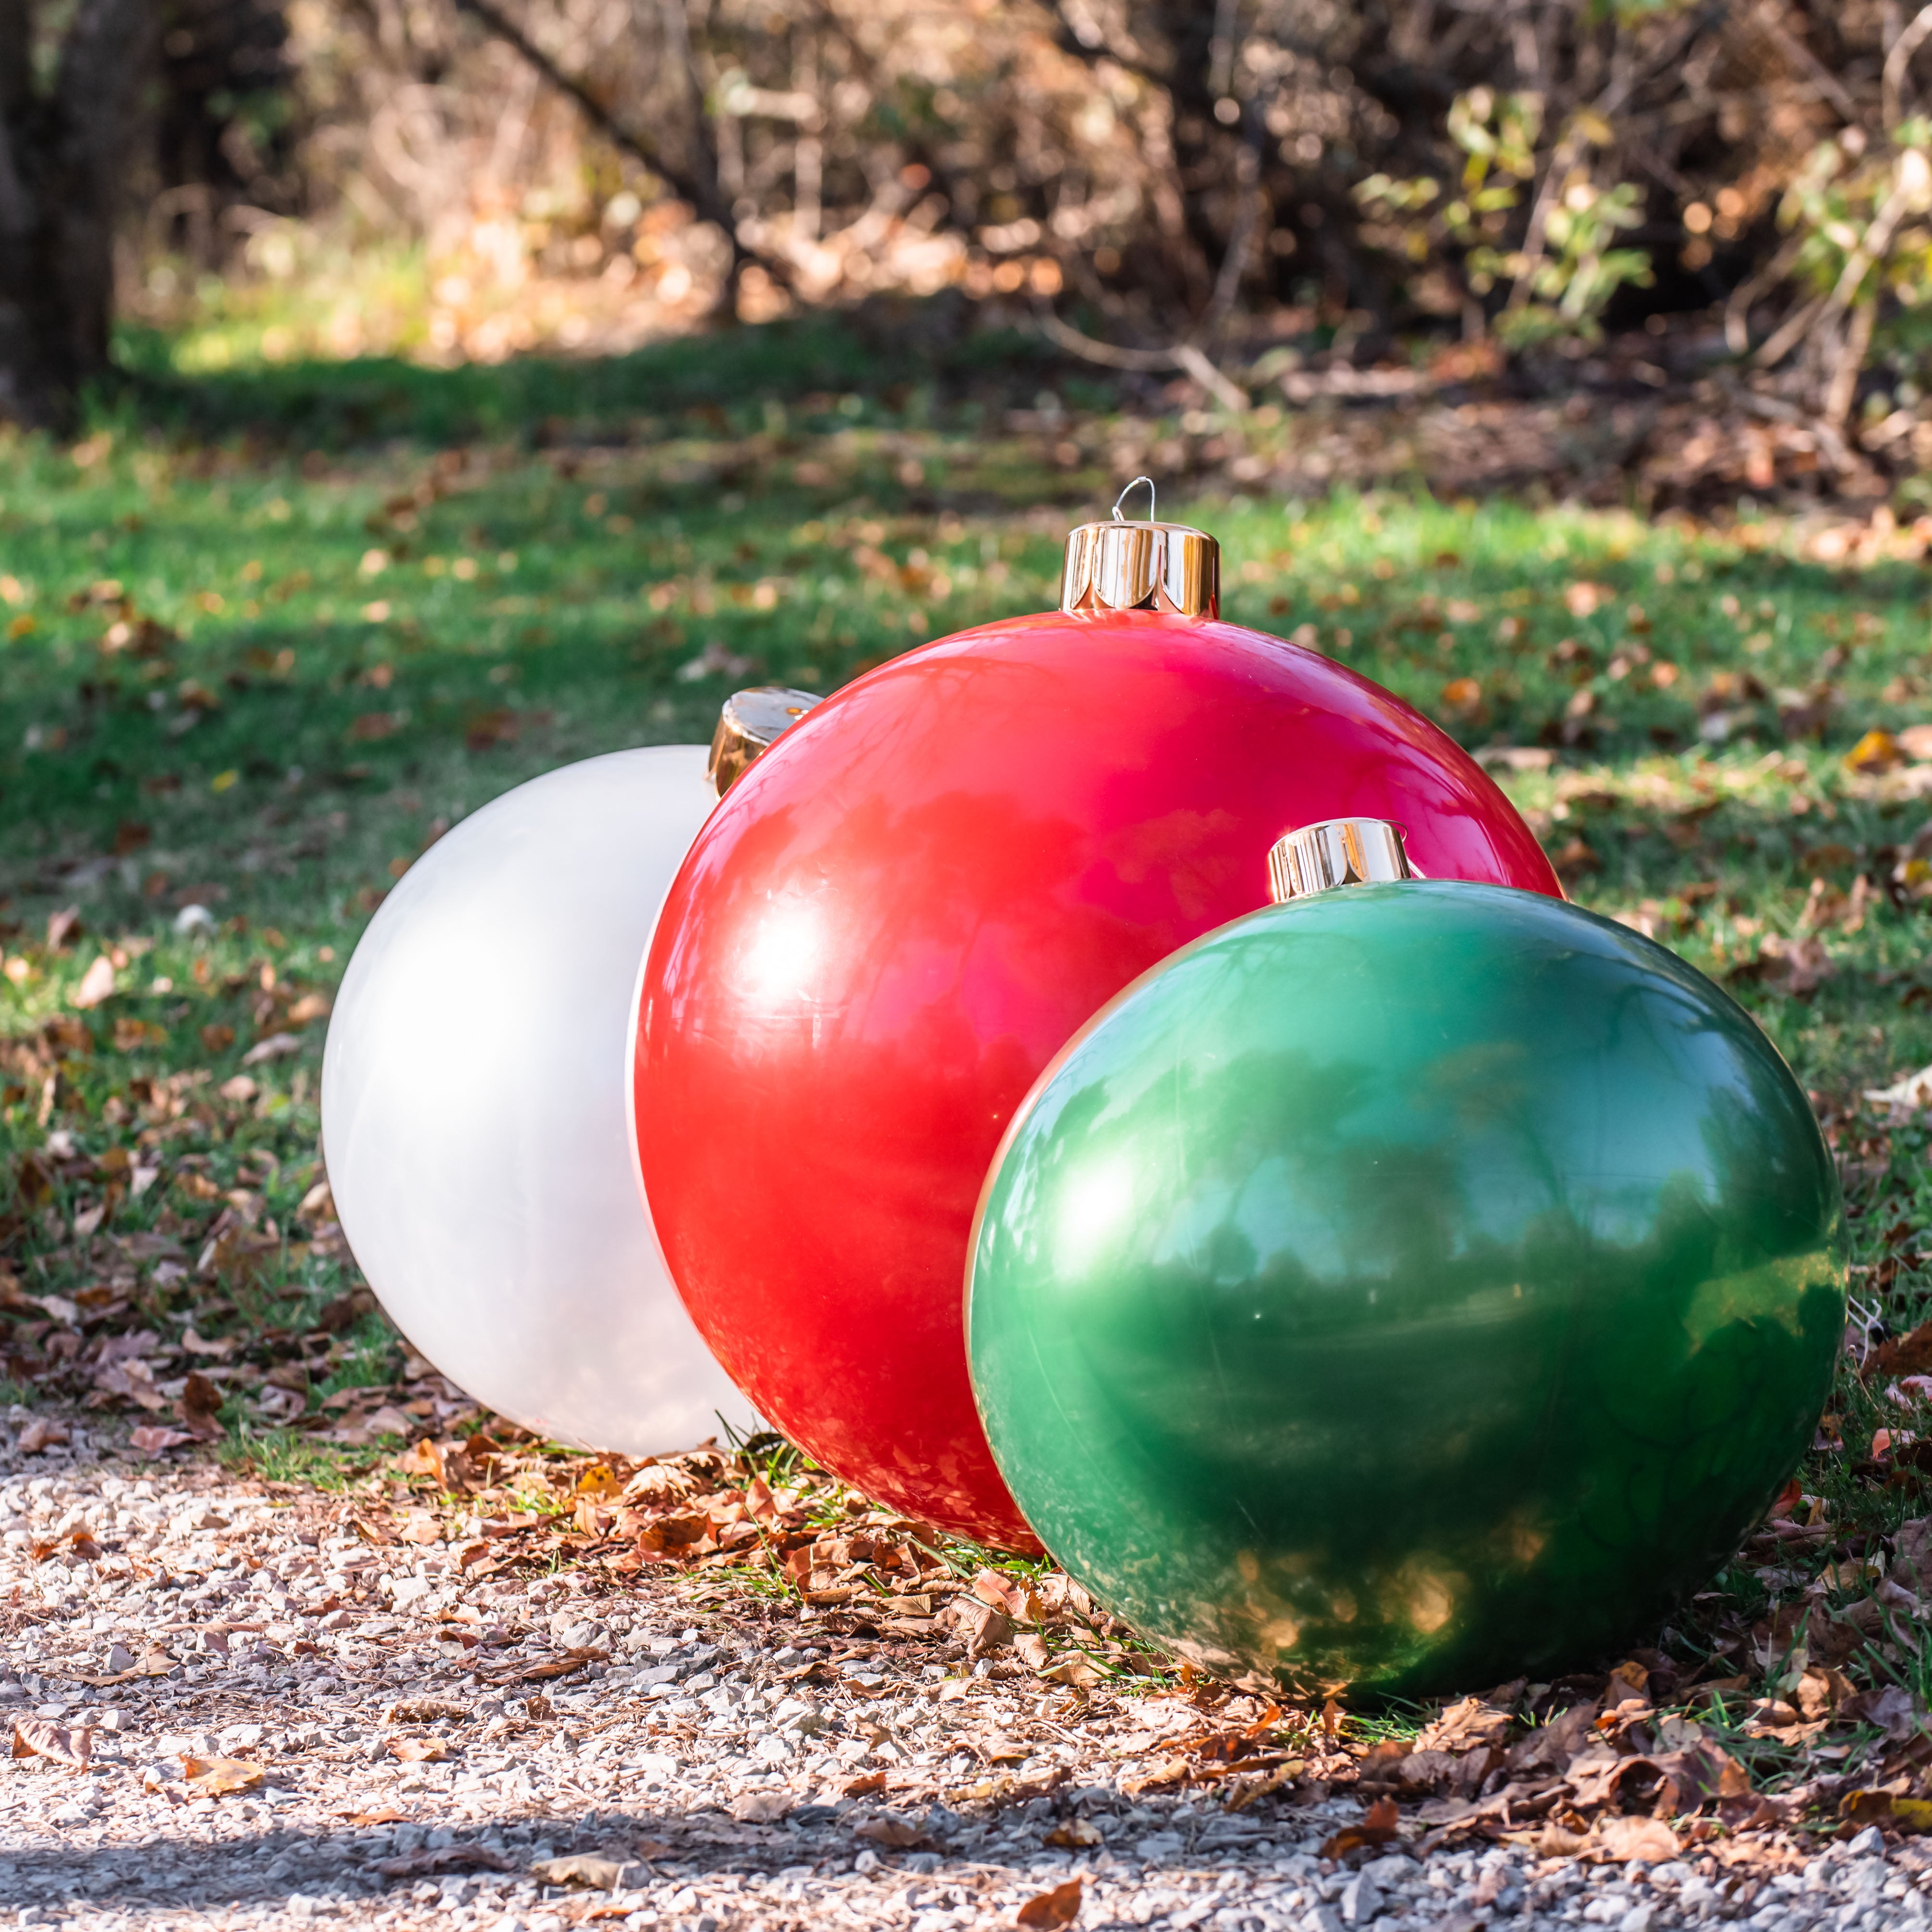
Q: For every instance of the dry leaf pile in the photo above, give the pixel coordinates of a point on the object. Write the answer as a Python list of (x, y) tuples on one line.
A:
[(169, 1281), (1551, 1767)]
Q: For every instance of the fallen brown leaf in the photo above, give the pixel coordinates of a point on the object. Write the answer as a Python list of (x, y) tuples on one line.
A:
[(1075, 1833), (418, 1751), (1377, 1826), (1821, 1692), (1629, 1681), (96, 984), (984, 1628), (1243, 1792), (155, 1663), (277, 1046), (1901, 1355), (897, 1834), (1876, 752), (1551, 1746), (1076, 1670), (35, 1737), (200, 1407), (1173, 1772), (1551, 1841), (763, 1807), (1048, 1909), (441, 1858), (488, 729), (423, 1526), (1472, 1721), (1621, 1839), (1794, 967), (1910, 1815), (1892, 1709), (579, 1868), (426, 1710), (865, 1784), (219, 1777), (40, 1434), (557, 1667), (151, 1439)]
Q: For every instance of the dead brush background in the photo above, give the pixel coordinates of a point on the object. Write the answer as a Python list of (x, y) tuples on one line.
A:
[(1233, 193)]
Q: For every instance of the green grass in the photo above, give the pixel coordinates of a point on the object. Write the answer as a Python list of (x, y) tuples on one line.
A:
[(282, 1455), (265, 633)]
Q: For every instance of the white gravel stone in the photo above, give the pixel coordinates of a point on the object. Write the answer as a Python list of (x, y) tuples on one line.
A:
[(406, 1781)]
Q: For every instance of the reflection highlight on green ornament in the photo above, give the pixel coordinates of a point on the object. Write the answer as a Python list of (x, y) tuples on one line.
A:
[(1405, 1287)]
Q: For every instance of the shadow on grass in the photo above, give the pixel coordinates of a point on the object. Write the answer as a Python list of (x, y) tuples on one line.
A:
[(887, 349)]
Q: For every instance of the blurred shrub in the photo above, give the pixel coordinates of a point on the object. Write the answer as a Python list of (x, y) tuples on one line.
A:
[(1170, 175)]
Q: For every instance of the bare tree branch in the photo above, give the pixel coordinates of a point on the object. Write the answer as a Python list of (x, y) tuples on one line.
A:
[(600, 117), (1899, 60), (1144, 361), (1737, 310), (1247, 221), (1790, 333), (1184, 356), (1774, 29), (702, 164), (697, 184), (1850, 360), (1230, 395)]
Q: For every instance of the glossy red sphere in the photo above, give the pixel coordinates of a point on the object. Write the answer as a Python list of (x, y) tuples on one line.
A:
[(900, 914)]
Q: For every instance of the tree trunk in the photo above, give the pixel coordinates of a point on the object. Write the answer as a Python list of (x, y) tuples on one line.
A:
[(63, 150)]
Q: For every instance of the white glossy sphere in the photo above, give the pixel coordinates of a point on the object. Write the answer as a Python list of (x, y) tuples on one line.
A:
[(475, 1109)]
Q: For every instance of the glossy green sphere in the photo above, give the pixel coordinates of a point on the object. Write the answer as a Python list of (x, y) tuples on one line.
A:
[(1404, 1288)]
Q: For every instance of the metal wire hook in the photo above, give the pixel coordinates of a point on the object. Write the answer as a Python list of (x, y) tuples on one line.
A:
[(1123, 497)]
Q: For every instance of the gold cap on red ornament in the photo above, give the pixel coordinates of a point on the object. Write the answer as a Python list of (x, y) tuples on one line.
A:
[(750, 722), (1171, 568)]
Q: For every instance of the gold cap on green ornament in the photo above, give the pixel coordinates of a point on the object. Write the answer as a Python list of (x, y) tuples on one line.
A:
[(1336, 852)]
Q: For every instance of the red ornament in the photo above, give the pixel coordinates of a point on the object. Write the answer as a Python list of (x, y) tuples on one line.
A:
[(900, 914)]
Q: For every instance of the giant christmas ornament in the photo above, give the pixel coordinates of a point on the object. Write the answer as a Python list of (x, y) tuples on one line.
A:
[(474, 1102), (1405, 1287), (904, 910)]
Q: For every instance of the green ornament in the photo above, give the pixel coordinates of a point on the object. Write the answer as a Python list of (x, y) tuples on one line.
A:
[(1405, 1287)]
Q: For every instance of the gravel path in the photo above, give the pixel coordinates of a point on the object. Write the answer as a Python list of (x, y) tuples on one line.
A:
[(633, 1754)]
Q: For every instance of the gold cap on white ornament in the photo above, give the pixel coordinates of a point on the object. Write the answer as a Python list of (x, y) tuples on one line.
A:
[(750, 723), (1170, 568)]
